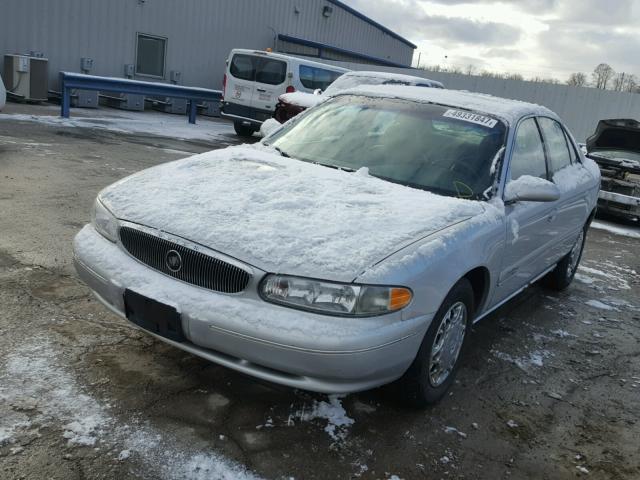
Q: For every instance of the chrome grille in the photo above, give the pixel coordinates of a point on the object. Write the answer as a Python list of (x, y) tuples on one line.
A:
[(197, 268)]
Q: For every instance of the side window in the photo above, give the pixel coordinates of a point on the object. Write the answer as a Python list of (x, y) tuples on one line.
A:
[(312, 77), (272, 72), (557, 148), (243, 67), (573, 153), (528, 153)]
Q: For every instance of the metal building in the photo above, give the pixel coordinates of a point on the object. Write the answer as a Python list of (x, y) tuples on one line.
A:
[(187, 41)]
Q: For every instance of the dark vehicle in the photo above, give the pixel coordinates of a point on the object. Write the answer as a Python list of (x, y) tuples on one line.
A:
[(615, 147)]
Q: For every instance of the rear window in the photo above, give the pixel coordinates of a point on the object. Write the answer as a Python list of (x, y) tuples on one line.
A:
[(243, 67), (272, 72), (313, 77)]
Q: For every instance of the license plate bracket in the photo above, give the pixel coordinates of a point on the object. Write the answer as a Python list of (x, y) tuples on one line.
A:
[(154, 316)]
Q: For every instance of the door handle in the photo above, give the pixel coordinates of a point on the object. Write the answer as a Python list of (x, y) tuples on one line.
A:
[(262, 90)]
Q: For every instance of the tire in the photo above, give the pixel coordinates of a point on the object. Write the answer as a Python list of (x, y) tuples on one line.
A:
[(243, 130), (419, 386), (562, 276)]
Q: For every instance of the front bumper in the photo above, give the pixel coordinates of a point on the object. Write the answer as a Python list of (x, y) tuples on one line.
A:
[(619, 204), (240, 331), (249, 116)]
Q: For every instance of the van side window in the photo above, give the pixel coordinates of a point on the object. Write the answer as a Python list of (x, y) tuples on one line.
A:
[(243, 67), (557, 148), (528, 153), (313, 77), (272, 72)]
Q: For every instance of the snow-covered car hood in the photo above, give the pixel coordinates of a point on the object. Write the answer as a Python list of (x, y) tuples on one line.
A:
[(302, 99), (615, 134), (283, 215)]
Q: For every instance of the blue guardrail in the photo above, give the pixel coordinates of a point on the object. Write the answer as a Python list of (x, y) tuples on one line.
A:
[(70, 80)]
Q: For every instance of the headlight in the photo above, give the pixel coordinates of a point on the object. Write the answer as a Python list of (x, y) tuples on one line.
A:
[(104, 221), (333, 298)]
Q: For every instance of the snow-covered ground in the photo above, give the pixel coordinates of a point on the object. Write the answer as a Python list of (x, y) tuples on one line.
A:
[(617, 228), (122, 121)]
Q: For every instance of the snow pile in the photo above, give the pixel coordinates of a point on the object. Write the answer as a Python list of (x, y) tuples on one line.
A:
[(600, 305), (338, 422), (26, 384), (515, 189), (152, 123), (620, 281), (282, 214), (37, 390), (532, 359), (269, 126)]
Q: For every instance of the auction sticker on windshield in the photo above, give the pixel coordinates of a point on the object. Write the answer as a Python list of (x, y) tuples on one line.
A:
[(471, 117)]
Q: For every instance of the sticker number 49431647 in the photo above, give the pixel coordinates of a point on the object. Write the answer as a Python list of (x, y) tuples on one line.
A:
[(471, 117)]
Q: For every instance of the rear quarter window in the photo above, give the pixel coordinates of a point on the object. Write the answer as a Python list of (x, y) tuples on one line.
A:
[(243, 67), (313, 77)]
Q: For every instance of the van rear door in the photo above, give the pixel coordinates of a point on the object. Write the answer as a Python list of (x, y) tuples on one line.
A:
[(270, 83), (241, 79)]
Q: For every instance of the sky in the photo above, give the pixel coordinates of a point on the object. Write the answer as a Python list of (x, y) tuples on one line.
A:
[(535, 38)]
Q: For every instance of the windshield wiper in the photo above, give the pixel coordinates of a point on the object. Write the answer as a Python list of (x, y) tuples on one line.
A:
[(337, 167), (282, 152)]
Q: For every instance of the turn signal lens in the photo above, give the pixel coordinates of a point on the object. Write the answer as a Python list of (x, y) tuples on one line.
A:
[(399, 298)]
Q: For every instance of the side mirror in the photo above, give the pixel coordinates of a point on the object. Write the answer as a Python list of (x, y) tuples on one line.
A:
[(531, 189), (317, 91)]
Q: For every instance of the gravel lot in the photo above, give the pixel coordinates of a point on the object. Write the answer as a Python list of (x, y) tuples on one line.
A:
[(549, 388)]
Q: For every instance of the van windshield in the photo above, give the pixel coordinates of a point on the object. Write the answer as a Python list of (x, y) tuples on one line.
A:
[(431, 147)]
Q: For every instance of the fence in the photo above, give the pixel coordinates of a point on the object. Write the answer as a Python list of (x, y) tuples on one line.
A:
[(581, 108)]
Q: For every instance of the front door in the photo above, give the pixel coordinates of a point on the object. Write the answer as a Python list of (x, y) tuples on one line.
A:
[(528, 234)]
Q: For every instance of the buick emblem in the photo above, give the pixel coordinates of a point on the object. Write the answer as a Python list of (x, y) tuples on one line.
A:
[(173, 260)]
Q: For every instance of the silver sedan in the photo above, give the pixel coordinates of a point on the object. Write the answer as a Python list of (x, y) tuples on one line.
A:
[(355, 245)]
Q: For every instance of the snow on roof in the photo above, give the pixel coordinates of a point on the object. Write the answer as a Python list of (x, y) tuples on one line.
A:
[(504, 108), (389, 75)]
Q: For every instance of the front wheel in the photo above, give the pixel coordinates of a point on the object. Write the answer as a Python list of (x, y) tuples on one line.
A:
[(243, 130), (562, 276), (435, 366)]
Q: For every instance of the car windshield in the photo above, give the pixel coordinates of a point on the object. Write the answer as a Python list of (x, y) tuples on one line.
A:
[(432, 147)]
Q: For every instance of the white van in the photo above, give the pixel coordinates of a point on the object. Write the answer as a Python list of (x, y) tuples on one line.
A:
[(254, 80)]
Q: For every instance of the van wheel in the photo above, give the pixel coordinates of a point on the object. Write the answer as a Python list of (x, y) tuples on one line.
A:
[(243, 130), (562, 276), (436, 364)]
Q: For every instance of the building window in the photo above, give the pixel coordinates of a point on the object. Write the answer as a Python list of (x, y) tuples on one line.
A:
[(150, 55)]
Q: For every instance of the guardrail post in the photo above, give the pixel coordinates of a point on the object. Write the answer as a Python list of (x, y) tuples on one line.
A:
[(193, 110), (65, 104)]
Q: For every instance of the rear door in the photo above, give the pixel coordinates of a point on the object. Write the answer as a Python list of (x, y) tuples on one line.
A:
[(270, 83), (572, 209), (241, 79)]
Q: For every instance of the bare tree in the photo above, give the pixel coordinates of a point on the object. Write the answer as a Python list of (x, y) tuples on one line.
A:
[(620, 81), (514, 76), (471, 69), (631, 84), (601, 75), (577, 79)]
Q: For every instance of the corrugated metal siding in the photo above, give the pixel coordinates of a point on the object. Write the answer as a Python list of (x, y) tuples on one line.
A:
[(200, 32), (581, 108)]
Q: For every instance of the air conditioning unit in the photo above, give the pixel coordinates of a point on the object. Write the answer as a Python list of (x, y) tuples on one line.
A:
[(26, 77)]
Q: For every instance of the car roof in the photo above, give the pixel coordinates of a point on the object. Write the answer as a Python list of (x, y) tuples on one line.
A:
[(281, 56), (506, 109), (391, 76)]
